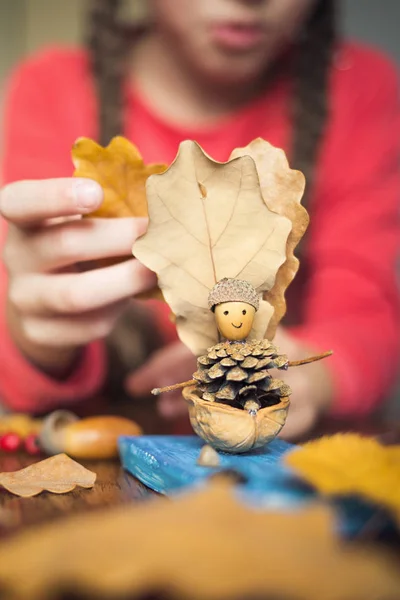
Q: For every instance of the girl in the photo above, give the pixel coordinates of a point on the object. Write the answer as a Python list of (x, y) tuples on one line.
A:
[(221, 72)]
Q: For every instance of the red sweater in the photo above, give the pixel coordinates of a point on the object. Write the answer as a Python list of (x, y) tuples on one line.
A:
[(348, 299)]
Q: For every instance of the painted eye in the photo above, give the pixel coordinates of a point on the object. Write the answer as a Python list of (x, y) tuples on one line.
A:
[(226, 312), (244, 312)]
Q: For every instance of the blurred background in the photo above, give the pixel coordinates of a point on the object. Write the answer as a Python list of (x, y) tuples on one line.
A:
[(26, 25)]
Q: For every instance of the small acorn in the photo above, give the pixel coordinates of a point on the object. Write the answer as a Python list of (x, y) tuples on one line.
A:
[(208, 457), (89, 438), (234, 303)]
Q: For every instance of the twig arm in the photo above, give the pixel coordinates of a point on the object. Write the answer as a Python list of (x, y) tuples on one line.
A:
[(310, 359), (170, 388), (183, 384)]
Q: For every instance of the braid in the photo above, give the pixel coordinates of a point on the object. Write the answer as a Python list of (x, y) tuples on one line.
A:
[(107, 44), (311, 73)]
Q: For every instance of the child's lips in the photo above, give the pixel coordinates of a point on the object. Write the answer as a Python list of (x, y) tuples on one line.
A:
[(238, 36)]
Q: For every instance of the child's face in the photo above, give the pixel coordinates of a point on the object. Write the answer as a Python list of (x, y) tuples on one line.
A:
[(229, 40)]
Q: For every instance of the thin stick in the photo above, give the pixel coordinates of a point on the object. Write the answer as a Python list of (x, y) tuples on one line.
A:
[(305, 361), (170, 388), (183, 384)]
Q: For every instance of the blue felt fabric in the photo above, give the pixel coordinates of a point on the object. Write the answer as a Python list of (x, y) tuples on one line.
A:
[(167, 464)]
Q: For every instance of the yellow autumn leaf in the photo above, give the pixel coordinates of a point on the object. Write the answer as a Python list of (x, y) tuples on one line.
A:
[(349, 464), (20, 423), (121, 172), (204, 545)]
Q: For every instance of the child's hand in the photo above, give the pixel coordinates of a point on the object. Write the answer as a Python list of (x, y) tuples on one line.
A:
[(52, 308), (172, 364), (311, 385)]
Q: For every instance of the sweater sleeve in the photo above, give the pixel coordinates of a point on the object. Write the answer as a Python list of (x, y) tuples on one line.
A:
[(352, 304), (37, 137)]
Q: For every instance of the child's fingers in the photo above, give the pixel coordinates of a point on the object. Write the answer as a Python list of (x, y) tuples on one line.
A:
[(25, 203), (71, 331), (172, 407), (75, 293), (62, 245), (171, 364), (300, 421)]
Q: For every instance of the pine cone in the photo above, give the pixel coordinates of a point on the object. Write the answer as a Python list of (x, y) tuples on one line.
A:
[(237, 373)]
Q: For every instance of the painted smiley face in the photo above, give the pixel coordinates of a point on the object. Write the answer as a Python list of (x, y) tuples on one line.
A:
[(234, 320)]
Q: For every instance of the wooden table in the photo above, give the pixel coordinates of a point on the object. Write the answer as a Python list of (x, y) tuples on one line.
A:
[(113, 485)]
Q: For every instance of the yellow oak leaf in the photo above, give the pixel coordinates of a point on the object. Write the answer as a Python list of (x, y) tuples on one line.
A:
[(349, 464), (204, 545), (121, 172)]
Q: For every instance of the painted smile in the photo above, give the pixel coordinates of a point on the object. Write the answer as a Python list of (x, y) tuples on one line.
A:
[(236, 326)]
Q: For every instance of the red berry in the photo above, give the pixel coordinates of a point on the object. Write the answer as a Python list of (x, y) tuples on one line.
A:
[(10, 442), (31, 444)]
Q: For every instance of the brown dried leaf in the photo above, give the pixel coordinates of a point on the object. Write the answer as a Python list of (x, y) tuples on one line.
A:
[(227, 551), (121, 172), (282, 189), (57, 474), (208, 220), (350, 464)]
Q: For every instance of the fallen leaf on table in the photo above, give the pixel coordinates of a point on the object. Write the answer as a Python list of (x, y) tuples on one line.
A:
[(282, 189), (204, 545), (208, 220), (57, 474), (348, 464), (121, 172)]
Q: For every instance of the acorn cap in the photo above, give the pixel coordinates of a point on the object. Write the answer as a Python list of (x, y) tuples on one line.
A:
[(233, 290)]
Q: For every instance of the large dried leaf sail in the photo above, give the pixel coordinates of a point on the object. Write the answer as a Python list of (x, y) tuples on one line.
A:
[(282, 189), (223, 551), (58, 474), (121, 172), (348, 464), (208, 220)]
